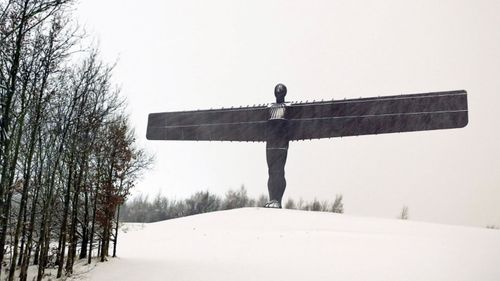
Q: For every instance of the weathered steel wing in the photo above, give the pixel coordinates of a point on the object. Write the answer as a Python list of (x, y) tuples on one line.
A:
[(389, 114), (231, 124)]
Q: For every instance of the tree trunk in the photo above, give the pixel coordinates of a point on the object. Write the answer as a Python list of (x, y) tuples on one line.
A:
[(23, 238), (115, 241), (29, 244), (62, 236), (74, 221), (85, 234), (94, 212)]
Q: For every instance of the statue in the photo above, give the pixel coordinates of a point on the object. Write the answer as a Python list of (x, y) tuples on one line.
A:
[(279, 123), (277, 147)]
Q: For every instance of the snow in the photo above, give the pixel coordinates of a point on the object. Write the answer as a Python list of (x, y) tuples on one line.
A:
[(272, 244)]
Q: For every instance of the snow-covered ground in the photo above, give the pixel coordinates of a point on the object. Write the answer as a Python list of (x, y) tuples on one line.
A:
[(268, 244)]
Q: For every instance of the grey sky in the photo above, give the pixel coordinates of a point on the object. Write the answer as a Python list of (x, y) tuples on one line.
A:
[(195, 54)]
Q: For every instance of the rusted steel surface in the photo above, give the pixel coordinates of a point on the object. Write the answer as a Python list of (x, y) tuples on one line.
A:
[(355, 117)]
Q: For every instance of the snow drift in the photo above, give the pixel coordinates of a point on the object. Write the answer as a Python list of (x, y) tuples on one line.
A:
[(269, 244)]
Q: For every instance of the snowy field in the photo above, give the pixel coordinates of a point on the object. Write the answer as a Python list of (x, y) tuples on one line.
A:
[(268, 244)]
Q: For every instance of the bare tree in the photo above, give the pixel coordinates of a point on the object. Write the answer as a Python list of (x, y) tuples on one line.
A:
[(338, 206), (404, 213), (290, 204)]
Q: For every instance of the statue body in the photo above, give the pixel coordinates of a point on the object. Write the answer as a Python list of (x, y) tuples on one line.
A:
[(276, 152)]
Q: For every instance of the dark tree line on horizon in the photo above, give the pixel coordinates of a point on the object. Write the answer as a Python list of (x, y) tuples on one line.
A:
[(67, 154), (142, 209)]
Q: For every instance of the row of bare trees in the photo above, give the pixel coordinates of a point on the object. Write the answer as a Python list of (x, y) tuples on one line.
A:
[(141, 209), (67, 154)]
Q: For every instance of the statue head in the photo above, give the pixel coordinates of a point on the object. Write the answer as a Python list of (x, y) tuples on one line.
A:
[(280, 93)]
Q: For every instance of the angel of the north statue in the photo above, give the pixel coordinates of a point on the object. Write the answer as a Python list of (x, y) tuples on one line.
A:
[(278, 123)]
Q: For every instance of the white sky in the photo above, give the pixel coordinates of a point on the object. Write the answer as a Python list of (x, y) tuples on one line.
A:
[(195, 54)]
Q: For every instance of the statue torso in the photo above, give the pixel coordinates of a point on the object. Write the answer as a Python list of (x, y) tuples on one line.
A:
[(277, 127)]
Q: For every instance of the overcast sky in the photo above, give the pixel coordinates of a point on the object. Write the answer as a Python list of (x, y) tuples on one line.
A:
[(197, 54)]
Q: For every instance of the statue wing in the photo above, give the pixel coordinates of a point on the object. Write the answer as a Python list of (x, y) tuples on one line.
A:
[(378, 115), (231, 124)]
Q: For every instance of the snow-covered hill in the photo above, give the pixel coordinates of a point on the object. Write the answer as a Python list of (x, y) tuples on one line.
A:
[(268, 244)]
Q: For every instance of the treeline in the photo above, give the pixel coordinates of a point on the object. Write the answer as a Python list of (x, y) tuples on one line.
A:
[(141, 209), (67, 154)]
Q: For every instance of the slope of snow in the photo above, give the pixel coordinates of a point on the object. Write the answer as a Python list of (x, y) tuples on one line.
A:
[(267, 244)]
